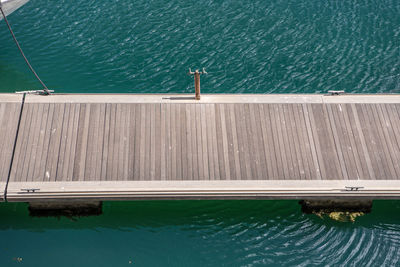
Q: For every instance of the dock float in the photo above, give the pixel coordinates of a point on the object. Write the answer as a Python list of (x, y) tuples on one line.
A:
[(77, 147)]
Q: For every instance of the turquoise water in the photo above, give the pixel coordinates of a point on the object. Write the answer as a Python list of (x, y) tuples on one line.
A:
[(200, 233), (270, 46), (257, 46)]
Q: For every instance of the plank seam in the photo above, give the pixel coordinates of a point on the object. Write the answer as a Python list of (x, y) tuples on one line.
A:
[(336, 141), (360, 134), (59, 145)]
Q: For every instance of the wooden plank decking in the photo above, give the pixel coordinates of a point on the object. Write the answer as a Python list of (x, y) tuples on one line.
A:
[(93, 143), (10, 106)]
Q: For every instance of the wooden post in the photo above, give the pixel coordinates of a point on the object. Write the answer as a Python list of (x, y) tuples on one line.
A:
[(197, 84), (197, 81)]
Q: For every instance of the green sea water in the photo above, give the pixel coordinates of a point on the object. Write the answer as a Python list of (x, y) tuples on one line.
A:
[(260, 46), (200, 233), (257, 46)]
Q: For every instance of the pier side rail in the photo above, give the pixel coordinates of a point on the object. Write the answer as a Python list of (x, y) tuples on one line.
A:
[(156, 190)]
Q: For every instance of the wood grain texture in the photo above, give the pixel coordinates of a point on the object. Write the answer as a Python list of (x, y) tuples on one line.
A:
[(64, 142), (9, 116)]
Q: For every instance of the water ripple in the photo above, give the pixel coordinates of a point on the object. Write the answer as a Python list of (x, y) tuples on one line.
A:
[(273, 46), (209, 233)]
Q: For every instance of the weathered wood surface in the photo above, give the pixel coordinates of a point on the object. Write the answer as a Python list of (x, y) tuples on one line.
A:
[(216, 189), (10, 106), (107, 141), (223, 146)]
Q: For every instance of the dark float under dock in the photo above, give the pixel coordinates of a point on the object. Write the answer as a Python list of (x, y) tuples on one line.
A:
[(123, 147)]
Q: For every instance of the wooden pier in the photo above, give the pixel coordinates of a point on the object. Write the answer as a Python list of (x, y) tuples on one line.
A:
[(124, 147)]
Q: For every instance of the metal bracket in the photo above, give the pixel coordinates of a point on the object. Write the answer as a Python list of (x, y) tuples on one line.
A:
[(30, 190), (353, 188), (197, 71), (333, 92)]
